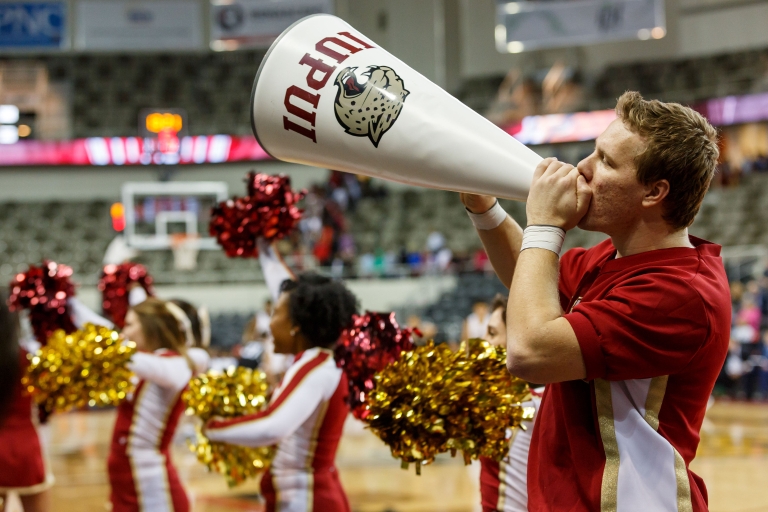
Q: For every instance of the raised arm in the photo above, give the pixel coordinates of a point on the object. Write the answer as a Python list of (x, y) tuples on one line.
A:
[(541, 344), (82, 314), (137, 295), (502, 243), (274, 268)]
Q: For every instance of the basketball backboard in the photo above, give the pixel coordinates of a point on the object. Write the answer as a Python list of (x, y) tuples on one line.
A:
[(155, 211)]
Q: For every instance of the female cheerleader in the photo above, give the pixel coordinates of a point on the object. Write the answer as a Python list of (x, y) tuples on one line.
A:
[(9, 357), (23, 464), (504, 485), (307, 411), (141, 474)]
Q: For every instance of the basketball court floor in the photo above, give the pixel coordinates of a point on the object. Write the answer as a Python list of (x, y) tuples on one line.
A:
[(733, 460)]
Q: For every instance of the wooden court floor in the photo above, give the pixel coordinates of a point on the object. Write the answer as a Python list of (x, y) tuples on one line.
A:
[(733, 460)]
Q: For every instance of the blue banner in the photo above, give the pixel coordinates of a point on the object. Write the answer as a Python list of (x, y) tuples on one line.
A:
[(32, 24)]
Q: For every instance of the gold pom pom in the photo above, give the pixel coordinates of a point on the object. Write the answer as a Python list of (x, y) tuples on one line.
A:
[(433, 400), (85, 368), (236, 392)]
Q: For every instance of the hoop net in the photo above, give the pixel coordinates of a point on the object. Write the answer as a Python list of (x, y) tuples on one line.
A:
[(185, 249)]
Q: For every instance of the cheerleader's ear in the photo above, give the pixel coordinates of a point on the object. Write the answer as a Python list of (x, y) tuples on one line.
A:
[(326, 96)]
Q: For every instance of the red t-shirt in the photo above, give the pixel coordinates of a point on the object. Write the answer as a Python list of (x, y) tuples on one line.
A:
[(653, 330)]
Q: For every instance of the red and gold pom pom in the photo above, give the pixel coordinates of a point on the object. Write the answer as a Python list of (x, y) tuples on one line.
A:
[(44, 291), (114, 285), (374, 341), (433, 400), (269, 211), (86, 368), (236, 392)]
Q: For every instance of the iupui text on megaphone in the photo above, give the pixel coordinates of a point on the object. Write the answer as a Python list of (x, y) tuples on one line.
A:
[(327, 96)]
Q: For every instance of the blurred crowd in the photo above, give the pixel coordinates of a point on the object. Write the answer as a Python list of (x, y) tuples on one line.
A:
[(324, 234), (743, 151), (745, 372)]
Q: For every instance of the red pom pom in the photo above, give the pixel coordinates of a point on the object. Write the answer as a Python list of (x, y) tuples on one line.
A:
[(44, 291), (374, 341), (269, 211), (114, 283)]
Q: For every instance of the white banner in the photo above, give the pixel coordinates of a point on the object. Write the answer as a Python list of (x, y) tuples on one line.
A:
[(533, 24), (257, 23), (139, 25)]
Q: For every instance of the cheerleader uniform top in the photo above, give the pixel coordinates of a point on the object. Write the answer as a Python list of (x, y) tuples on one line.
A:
[(504, 484), (141, 474), (23, 463), (305, 418)]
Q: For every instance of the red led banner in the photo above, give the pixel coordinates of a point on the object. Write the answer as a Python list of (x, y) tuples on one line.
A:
[(214, 149), (201, 149)]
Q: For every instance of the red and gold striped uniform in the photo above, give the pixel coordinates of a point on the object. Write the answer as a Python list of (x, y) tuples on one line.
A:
[(305, 419)]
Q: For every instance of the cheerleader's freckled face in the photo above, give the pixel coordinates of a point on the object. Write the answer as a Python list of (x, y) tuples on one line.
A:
[(133, 330)]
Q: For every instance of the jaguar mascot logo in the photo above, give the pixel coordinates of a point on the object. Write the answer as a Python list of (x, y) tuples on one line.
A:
[(369, 101)]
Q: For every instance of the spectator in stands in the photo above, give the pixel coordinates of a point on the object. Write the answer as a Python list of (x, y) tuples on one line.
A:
[(748, 320), (737, 291), (763, 367), (476, 324), (366, 265), (729, 379), (250, 352), (762, 300), (427, 329), (480, 261), (747, 333), (443, 259), (435, 241), (323, 250)]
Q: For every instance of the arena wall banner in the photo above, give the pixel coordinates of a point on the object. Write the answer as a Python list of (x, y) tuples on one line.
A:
[(327, 96), (151, 25), (33, 25), (533, 24), (730, 110), (100, 151), (556, 128), (257, 23)]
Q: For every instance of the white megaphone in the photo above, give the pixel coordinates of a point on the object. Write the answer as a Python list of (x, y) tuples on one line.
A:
[(326, 96)]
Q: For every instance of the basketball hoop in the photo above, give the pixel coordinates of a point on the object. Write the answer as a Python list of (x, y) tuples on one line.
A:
[(185, 249)]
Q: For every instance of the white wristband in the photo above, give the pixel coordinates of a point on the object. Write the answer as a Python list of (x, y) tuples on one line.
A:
[(550, 238), (490, 219)]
